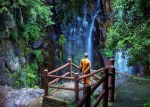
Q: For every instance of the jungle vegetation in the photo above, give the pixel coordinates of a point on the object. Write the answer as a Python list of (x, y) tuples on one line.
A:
[(30, 19), (131, 31)]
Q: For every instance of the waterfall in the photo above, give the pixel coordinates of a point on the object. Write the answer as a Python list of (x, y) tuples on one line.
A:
[(121, 64), (89, 41), (89, 47), (80, 33)]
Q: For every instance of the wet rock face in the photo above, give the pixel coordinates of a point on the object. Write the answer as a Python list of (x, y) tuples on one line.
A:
[(83, 34), (10, 61), (21, 98), (37, 44), (133, 93), (2, 72)]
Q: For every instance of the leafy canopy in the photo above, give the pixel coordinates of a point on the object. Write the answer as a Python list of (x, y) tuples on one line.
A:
[(131, 30)]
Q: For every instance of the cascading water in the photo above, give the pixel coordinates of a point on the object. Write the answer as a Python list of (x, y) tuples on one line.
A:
[(79, 33), (89, 41), (121, 64), (89, 47)]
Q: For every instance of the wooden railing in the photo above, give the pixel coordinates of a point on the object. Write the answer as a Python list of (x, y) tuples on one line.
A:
[(107, 80)]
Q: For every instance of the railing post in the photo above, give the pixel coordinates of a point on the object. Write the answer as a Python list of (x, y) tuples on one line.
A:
[(111, 62), (76, 86), (112, 83), (70, 67), (45, 83), (87, 92), (42, 78), (105, 87)]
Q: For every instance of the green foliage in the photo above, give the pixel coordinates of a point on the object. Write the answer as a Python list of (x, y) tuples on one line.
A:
[(70, 103), (108, 53), (14, 36), (147, 104), (10, 75), (70, 9), (37, 11), (4, 7), (131, 31), (38, 56), (36, 87), (61, 41), (31, 33), (32, 77), (31, 18), (17, 76)]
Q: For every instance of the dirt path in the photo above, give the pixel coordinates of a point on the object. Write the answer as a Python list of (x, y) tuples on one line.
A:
[(133, 93)]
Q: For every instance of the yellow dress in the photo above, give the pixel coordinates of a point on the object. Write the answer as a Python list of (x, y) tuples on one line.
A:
[(84, 67)]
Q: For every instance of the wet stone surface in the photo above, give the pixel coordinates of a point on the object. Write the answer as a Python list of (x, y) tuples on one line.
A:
[(21, 98), (133, 93)]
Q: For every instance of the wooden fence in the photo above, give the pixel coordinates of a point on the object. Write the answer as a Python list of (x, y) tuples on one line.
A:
[(107, 80)]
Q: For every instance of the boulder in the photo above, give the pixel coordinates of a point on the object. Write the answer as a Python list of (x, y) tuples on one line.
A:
[(21, 98)]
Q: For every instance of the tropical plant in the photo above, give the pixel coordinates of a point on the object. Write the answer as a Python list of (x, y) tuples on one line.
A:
[(131, 30)]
